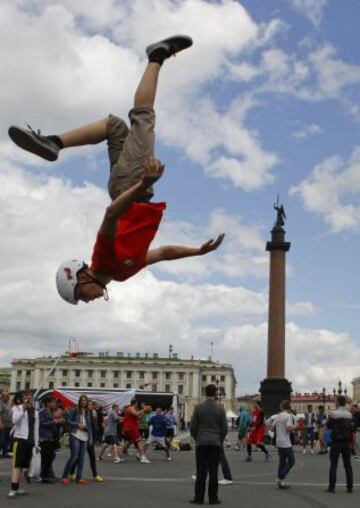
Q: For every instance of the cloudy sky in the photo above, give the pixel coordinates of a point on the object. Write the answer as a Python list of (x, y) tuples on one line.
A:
[(266, 102)]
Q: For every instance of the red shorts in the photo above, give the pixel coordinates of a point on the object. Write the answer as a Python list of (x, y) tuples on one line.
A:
[(256, 436), (132, 435)]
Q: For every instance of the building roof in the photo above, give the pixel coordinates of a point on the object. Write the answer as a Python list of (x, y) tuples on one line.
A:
[(315, 397), (145, 359)]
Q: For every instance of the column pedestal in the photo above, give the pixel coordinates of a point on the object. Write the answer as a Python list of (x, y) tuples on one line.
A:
[(273, 392)]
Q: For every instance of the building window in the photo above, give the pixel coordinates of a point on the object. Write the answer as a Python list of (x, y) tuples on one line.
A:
[(27, 385), (18, 373), (18, 385), (103, 373), (154, 388), (116, 385), (90, 373), (128, 386), (181, 376), (128, 374), (203, 391), (213, 379), (63, 383), (203, 378), (154, 375), (89, 385), (77, 384), (28, 372), (102, 385), (141, 374), (77, 373), (116, 373), (141, 387), (51, 385), (167, 375), (222, 379), (64, 372), (168, 388), (181, 389)]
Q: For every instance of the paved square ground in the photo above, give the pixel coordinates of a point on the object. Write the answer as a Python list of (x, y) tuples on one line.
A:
[(161, 484)]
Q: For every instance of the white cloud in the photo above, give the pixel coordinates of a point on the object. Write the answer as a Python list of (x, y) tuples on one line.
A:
[(307, 131), (319, 75), (314, 358), (241, 255), (312, 9), (332, 73), (331, 191)]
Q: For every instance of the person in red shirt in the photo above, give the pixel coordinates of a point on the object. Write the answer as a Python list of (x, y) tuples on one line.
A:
[(257, 432), (131, 221), (131, 432)]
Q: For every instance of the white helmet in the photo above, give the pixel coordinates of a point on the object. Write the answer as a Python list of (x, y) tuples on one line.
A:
[(66, 279)]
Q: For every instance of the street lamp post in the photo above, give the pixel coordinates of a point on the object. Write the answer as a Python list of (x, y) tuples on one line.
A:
[(324, 397), (220, 391), (217, 381)]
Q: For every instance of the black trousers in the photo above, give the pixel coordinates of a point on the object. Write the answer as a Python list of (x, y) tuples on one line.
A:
[(225, 465), (286, 461), (340, 448), (207, 462), (47, 457), (92, 458)]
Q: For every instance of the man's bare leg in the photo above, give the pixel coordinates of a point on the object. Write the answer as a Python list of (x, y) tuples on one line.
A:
[(146, 90), (89, 134)]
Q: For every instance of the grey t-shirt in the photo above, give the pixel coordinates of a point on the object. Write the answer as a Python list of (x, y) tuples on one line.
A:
[(112, 422), (283, 420)]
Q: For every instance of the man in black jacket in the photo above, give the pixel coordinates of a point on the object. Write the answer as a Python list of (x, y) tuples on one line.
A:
[(209, 428), (340, 423)]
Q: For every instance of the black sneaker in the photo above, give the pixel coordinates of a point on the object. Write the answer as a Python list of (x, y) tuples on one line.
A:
[(331, 490), (171, 45), (350, 489), (34, 142), (196, 501)]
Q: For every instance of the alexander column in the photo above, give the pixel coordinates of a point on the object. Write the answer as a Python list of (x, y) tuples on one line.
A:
[(276, 388)]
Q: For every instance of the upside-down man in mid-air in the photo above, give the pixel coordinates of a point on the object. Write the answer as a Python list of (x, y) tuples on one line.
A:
[(131, 221)]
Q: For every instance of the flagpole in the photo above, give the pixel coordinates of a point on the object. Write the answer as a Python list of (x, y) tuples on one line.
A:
[(52, 368)]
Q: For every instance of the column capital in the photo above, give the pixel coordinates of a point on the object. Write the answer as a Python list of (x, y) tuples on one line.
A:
[(284, 246), (278, 240)]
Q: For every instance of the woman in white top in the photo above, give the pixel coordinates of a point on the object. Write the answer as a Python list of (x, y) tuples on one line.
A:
[(80, 430)]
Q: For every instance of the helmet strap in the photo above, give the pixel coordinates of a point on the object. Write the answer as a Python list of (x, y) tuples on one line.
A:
[(98, 282)]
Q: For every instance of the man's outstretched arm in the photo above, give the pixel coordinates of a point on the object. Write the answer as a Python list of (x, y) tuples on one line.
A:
[(168, 252), (153, 170)]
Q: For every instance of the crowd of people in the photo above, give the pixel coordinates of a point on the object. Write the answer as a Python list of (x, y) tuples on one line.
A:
[(32, 435), (336, 434)]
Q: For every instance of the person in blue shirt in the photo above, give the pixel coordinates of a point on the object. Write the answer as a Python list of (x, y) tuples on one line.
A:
[(158, 425)]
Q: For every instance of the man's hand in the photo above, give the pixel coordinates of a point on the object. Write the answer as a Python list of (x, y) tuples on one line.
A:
[(211, 245), (153, 170)]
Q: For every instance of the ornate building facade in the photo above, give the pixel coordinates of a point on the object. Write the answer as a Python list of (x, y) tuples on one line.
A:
[(186, 377)]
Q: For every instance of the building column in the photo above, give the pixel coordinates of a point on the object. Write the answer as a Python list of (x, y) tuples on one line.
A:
[(276, 388)]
